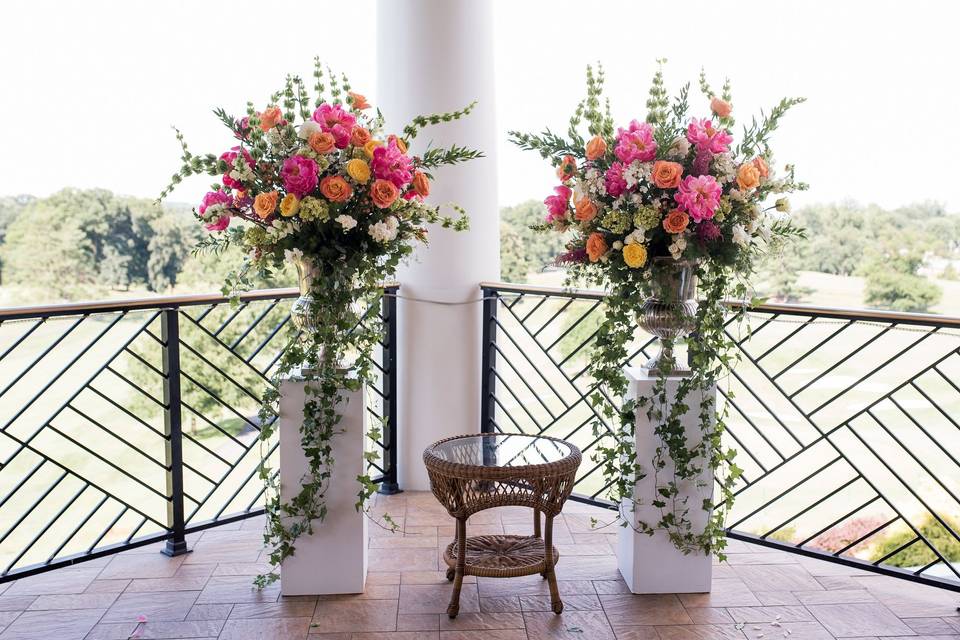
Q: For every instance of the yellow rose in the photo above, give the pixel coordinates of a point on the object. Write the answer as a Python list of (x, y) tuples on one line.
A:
[(635, 255), (358, 170), (289, 205), (370, 146)]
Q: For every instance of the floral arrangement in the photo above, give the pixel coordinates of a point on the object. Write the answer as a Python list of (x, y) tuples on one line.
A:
[(343, 200), (635, 201)]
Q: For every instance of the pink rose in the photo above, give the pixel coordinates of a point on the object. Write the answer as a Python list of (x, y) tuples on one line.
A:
[(299, 175), (699, 196), (558, 204), (613, 180), (229, 157), (635, 143), (333, 119), (390, 163)]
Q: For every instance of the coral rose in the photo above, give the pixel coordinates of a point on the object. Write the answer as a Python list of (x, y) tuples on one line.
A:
[(265, 203), (761, 166), (748, 176), (586, 210), (421, 184), (635, 255), (383, 193), (720, 107), (358, 170), (289, 206), (335, 189), (270, 118), (359, 136), (596, 246), (567, 168), (676, 221), (596, 148), (358, 101), (322, 142), (666, 174)]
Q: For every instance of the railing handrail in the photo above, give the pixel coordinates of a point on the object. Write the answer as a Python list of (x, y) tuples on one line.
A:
[(140, 304), (840, 313)]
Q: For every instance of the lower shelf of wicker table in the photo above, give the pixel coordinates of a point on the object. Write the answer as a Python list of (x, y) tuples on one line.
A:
[(500, 556)]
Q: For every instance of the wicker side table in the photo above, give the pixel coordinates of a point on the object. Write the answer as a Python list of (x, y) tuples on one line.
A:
[(476, 472)]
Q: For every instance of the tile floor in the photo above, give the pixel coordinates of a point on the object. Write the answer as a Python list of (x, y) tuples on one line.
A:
[(757, 594)]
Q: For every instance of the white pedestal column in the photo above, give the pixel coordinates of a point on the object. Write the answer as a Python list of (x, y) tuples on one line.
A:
[(651, 564), (334, 558), (437, 55)]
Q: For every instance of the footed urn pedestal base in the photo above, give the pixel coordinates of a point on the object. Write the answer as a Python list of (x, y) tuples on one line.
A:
[(652, 564), (334, 558)]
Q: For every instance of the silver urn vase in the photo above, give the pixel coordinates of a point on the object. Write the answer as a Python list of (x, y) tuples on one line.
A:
[(670, 311), (300, 313)]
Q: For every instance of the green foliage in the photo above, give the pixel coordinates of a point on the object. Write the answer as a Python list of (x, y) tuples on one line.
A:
[(779, 272), (917, 554), (899, 291)]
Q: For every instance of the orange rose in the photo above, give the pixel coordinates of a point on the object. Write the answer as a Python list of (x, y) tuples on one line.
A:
[(383, 193), (567, 168), (322, 142), (335, 189), (676, 221), (358, 101), (761, 166), (748, 176), (720, 107), (421, 184), (270, 118), (596, 246), (666, 175), (596, 148), (359, 136), (265, 203), (586, 210)]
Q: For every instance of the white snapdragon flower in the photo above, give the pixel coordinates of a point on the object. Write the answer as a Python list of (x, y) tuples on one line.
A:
[(384, 231), (307, 129), (740, 235), (782, 205), (347, 222)]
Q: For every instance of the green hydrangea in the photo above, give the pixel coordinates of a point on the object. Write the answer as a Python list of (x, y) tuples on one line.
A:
[(314, 209), (307, 152), (255, 236), (617, 221), (646, 218), (723, 209)]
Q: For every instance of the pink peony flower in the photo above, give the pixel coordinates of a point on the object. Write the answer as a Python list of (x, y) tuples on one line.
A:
[(558, 204), (334, 120), (613, 180), (389, 163), (216, 202), (299, 175), (229, 157), (708, 231), (699, 196), (702, 134), (635, 143)]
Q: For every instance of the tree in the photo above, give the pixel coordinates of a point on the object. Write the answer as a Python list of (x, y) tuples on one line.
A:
[(892, 282), (531, 251), (514, 266), (781, 275)]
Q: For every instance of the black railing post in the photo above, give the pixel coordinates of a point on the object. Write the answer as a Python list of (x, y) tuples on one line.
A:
[(173, 431), (389, 485), (488, 360)]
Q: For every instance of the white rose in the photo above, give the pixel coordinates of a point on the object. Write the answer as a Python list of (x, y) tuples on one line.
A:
[(307, 129), (347, 222)]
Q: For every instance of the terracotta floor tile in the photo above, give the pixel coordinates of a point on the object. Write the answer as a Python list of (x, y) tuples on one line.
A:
[(396, 635), (708, 615), (917, 601), (700, 632), (50, 625), (151, 630), (531, 586), (234, 589), (479, 621), (570, 603), (189, 583), (773, 598), (725, 593), (69, 580), (405, 542), (430, 577), (931, 626), (500, 604), (210, 612), (73, 601), (417, 598), (16, 603), (636, 633), (283, 609), (404, 559), (760, 558), (835, 596), (371, 592), (168, 605), (383, 577), (631, 610), (140, 565), (237, 568), (773, 577), (794, 631), (107, 586), (497, 634), (578, 625), (335, 616), (419, 621), (266, 629), (610, 587), (852, 620), (770, 614)]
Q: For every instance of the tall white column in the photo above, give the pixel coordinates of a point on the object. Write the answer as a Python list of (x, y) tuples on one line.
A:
[(437, 55)]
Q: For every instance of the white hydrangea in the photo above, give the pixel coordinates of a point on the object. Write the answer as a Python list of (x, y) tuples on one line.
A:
[(740, 235), (724, 167), (384, 231), (307, 129), (347, 222), (736, 194)]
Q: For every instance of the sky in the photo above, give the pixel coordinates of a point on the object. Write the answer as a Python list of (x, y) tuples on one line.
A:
[(89, 90)]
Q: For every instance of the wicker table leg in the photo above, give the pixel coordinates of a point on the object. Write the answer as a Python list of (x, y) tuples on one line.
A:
[(454, 607), (555, 602)]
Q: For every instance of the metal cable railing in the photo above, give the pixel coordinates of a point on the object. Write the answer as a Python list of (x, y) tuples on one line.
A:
[(129, 423), (846, 423)]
